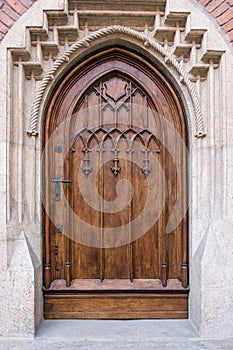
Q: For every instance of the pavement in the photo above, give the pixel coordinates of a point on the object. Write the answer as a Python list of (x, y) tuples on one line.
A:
[(116, 335)]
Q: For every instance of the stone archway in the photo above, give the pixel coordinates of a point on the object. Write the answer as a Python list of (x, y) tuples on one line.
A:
[(201, 51)]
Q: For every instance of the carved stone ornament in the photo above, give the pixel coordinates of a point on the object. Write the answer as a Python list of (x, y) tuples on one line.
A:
[(104, 32)]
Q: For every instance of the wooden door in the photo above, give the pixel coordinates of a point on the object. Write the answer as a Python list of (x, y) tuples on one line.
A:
[(114, 173)]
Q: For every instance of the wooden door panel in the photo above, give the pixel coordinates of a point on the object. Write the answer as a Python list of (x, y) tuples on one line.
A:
[(86, 259), (116, 306), (117, 135)]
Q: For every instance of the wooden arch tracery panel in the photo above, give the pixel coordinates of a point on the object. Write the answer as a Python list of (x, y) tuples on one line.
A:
[(116, 108)]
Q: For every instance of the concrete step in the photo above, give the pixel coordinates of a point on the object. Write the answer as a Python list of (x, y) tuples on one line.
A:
[(116, 335)]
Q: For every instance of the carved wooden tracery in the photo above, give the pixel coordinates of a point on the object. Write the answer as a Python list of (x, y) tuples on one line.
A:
[(119, 99)]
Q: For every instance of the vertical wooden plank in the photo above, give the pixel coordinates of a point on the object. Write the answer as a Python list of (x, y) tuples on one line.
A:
[(184, 224), (69, 218), (162, 220), (145, 254), (86, 258), (47, 262), (117, 260), (101, 206)]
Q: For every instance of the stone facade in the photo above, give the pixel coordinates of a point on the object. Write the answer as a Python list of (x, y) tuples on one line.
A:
[(220, 10), (193, 54)]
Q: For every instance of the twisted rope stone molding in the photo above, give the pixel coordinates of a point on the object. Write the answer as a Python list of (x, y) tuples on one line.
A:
[(147, 40)]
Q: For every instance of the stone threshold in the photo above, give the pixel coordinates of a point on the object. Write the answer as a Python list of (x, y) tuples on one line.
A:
[(114, 330)]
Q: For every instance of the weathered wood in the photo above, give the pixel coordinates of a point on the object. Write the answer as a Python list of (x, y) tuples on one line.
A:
[(144, 284), (156, 261), (116, 305)]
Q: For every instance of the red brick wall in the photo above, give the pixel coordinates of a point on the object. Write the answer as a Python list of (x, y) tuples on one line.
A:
[(221, 10), (10, 11)]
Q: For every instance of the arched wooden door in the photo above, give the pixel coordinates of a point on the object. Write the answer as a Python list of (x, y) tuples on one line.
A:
[(114, 170)]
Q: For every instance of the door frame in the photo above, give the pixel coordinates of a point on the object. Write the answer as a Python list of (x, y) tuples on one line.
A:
[(166, 87)]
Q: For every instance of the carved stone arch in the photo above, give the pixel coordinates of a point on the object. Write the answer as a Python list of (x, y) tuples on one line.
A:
[(150, 45)]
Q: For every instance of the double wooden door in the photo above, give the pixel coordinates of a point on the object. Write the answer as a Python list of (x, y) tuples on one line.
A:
[(114, 173)]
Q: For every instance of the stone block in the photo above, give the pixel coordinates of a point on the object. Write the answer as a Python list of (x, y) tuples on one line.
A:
[(23, 272), (217, 276)]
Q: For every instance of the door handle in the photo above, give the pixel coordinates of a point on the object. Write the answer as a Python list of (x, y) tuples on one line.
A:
[(63, 181), (58, 187)]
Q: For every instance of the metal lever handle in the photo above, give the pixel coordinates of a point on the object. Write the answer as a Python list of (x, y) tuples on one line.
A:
[(63, 181), (58, 187)]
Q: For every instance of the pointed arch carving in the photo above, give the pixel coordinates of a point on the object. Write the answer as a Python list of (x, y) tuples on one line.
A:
[(104, 32)]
